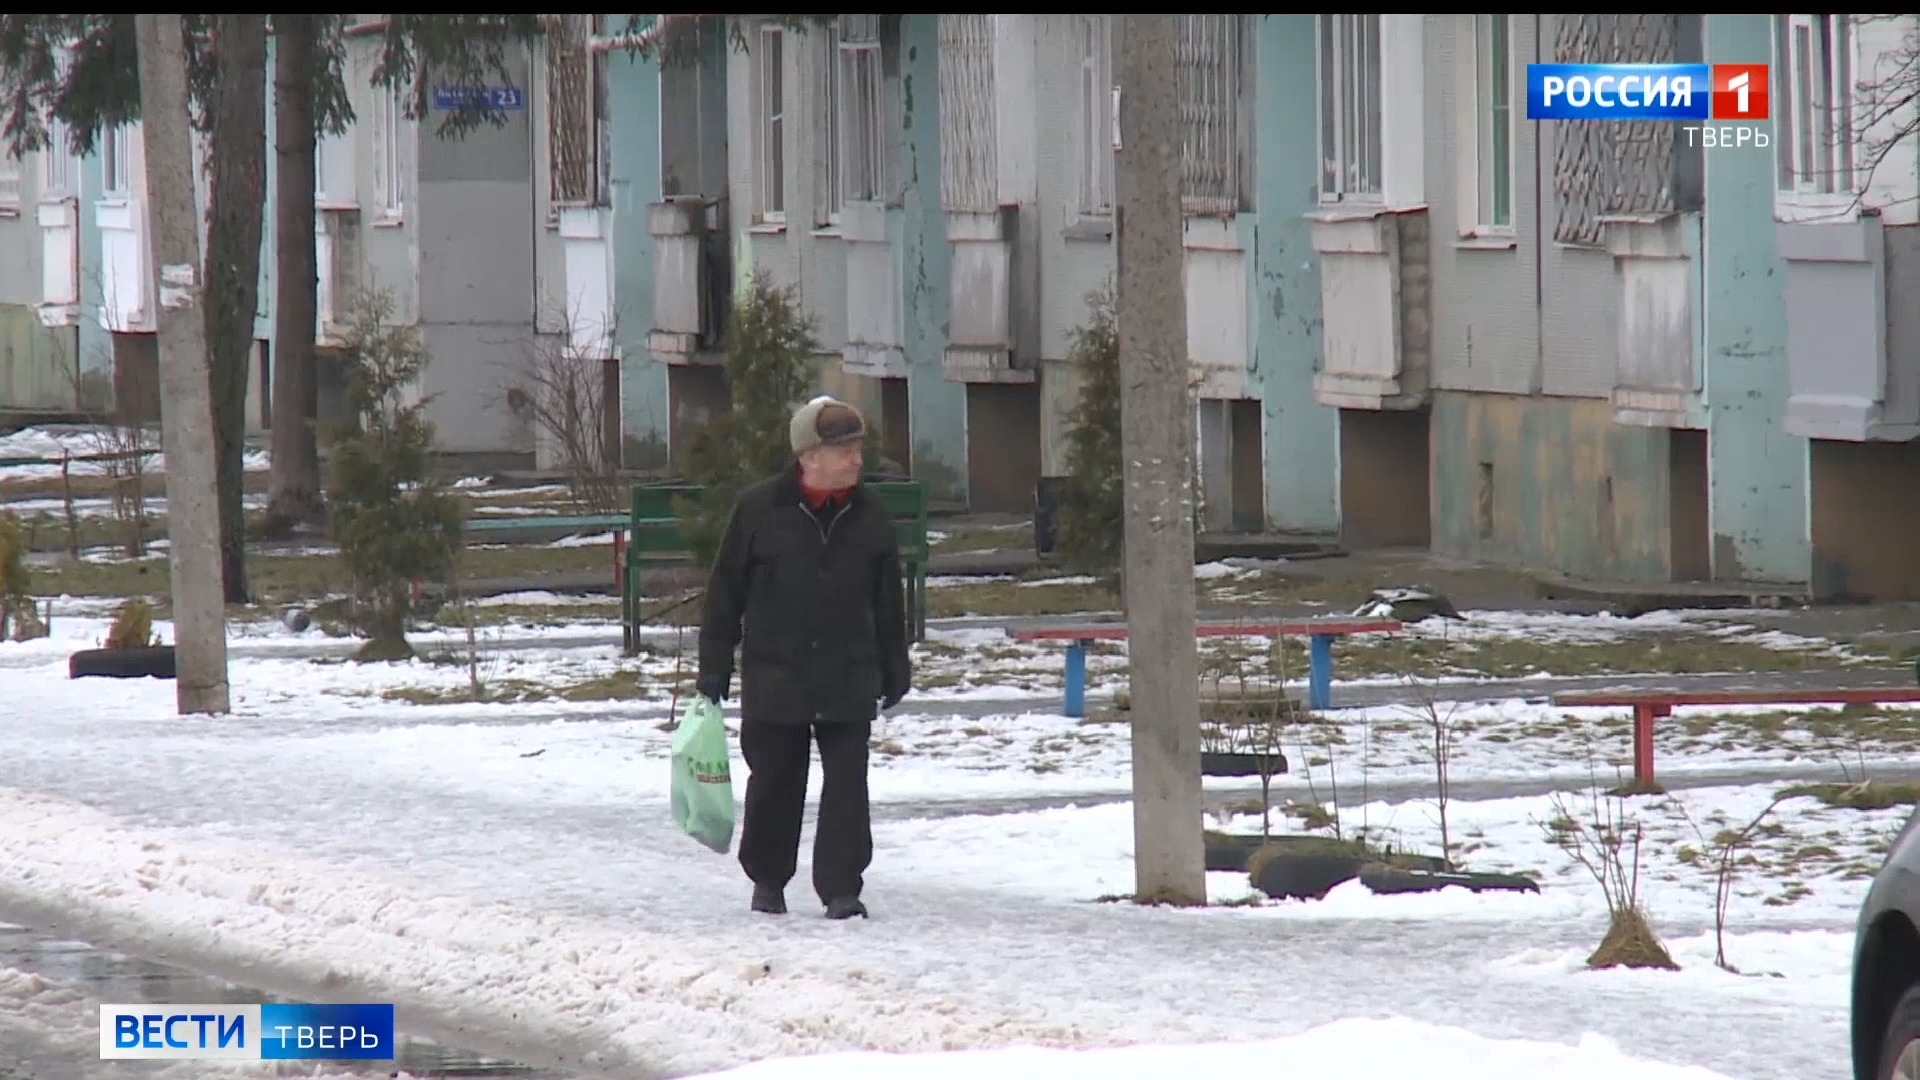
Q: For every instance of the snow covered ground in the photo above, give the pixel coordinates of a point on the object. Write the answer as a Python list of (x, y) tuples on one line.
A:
[(1343, 1050), (53, 442), (517, 862)]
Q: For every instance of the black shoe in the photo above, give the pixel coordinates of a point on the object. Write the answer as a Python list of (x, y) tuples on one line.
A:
[(769, 900), (846, 907)]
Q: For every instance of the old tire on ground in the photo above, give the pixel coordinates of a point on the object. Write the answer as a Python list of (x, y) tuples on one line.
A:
[(1222, 763), (155, 663), (1389, 880), (1285, 875), (1226, 851)]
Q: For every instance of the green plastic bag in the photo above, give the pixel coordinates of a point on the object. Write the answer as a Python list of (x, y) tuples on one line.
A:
[(702, 775)]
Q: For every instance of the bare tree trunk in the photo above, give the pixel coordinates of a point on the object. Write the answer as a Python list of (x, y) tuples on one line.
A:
[(199, 616), (294, 488), (237, 153), (1157, 446)]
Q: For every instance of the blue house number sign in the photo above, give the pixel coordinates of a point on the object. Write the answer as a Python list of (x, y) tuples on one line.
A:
[(502, 98)]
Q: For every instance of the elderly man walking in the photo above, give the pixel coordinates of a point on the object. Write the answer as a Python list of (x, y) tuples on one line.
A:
[(807, 586)]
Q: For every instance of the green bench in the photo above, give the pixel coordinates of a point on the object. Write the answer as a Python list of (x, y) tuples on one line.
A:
[(654, 537), (494, 525)]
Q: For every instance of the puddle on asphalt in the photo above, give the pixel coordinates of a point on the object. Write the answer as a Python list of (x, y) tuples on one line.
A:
[(109, 976)]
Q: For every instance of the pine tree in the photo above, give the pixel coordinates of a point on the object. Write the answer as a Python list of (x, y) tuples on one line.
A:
[(395, 524), (772, 352), (97, 87), (16, 602), (1090, 519)]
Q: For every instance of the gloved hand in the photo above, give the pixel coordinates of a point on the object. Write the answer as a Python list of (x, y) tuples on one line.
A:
[(714, 687), (891, 698)]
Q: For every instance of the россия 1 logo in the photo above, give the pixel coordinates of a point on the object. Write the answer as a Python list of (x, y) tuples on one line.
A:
[(1729, 93)]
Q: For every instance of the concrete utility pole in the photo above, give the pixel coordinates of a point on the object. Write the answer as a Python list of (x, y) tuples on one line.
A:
[(186, 398), (1157, 443)]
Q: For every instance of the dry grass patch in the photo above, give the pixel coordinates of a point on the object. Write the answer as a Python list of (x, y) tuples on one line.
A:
[(528, 615), (982, 538), (1019, 598), (290, 578), (1864, 795)]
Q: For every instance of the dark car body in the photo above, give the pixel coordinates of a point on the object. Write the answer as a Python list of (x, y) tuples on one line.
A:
[(1886, 961)]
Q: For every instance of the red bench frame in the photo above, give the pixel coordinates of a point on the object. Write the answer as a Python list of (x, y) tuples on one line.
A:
[(1649, 704), (1319, 633)]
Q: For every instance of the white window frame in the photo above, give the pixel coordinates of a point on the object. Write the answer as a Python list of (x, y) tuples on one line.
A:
[(862, 128), (333, 160), (770, 126), (826, 153), (1351, 108), (12, 174), (116, 165), (1216, 108), (392, 131), (1817, 140), (59, 178), (1485, 122), (1098, 125), (598, 146)]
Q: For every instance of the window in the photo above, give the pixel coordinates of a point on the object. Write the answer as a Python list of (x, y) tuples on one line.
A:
[(1493, 124), (1814, 122), (1094, 39), (389, 159), (826, 152), (969, 121), (9, 183), (860, 97), (1350, 108), (115, 149), (577, 112), (56, 158), (334, 182), (1212, 80), (56, 162), (770, 168)]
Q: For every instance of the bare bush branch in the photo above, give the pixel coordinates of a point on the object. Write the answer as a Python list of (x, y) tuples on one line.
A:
[(1726, 845), (1442, 731), (1880, 115), (565, 393)]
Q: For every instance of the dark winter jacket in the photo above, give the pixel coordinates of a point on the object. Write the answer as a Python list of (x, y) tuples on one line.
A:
[(813, 600)]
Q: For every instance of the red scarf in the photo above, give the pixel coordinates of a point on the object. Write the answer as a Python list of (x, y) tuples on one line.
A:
[(820, 499)]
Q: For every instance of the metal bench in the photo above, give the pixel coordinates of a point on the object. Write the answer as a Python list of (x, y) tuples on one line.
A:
[(1319, 632), (1650, 704), (654, 536), (491, 525)]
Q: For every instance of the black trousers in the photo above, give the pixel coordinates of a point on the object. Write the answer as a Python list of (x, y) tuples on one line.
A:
[(778, 759)]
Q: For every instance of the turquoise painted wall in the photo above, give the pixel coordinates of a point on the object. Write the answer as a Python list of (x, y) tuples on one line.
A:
[(1302, 436), (936, 407), (96, 344), (1758, 470), (633, 86)]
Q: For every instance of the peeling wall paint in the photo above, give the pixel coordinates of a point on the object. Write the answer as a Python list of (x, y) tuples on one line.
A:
[(937, 407), (633, 83), (1301, 435), (1551, 484), (1758, 470)]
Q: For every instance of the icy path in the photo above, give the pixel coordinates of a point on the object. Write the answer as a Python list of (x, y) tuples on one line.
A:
[(598, 928)]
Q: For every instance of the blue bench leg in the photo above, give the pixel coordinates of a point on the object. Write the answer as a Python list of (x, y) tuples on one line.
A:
[(1076, 680), (1319, 671)]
